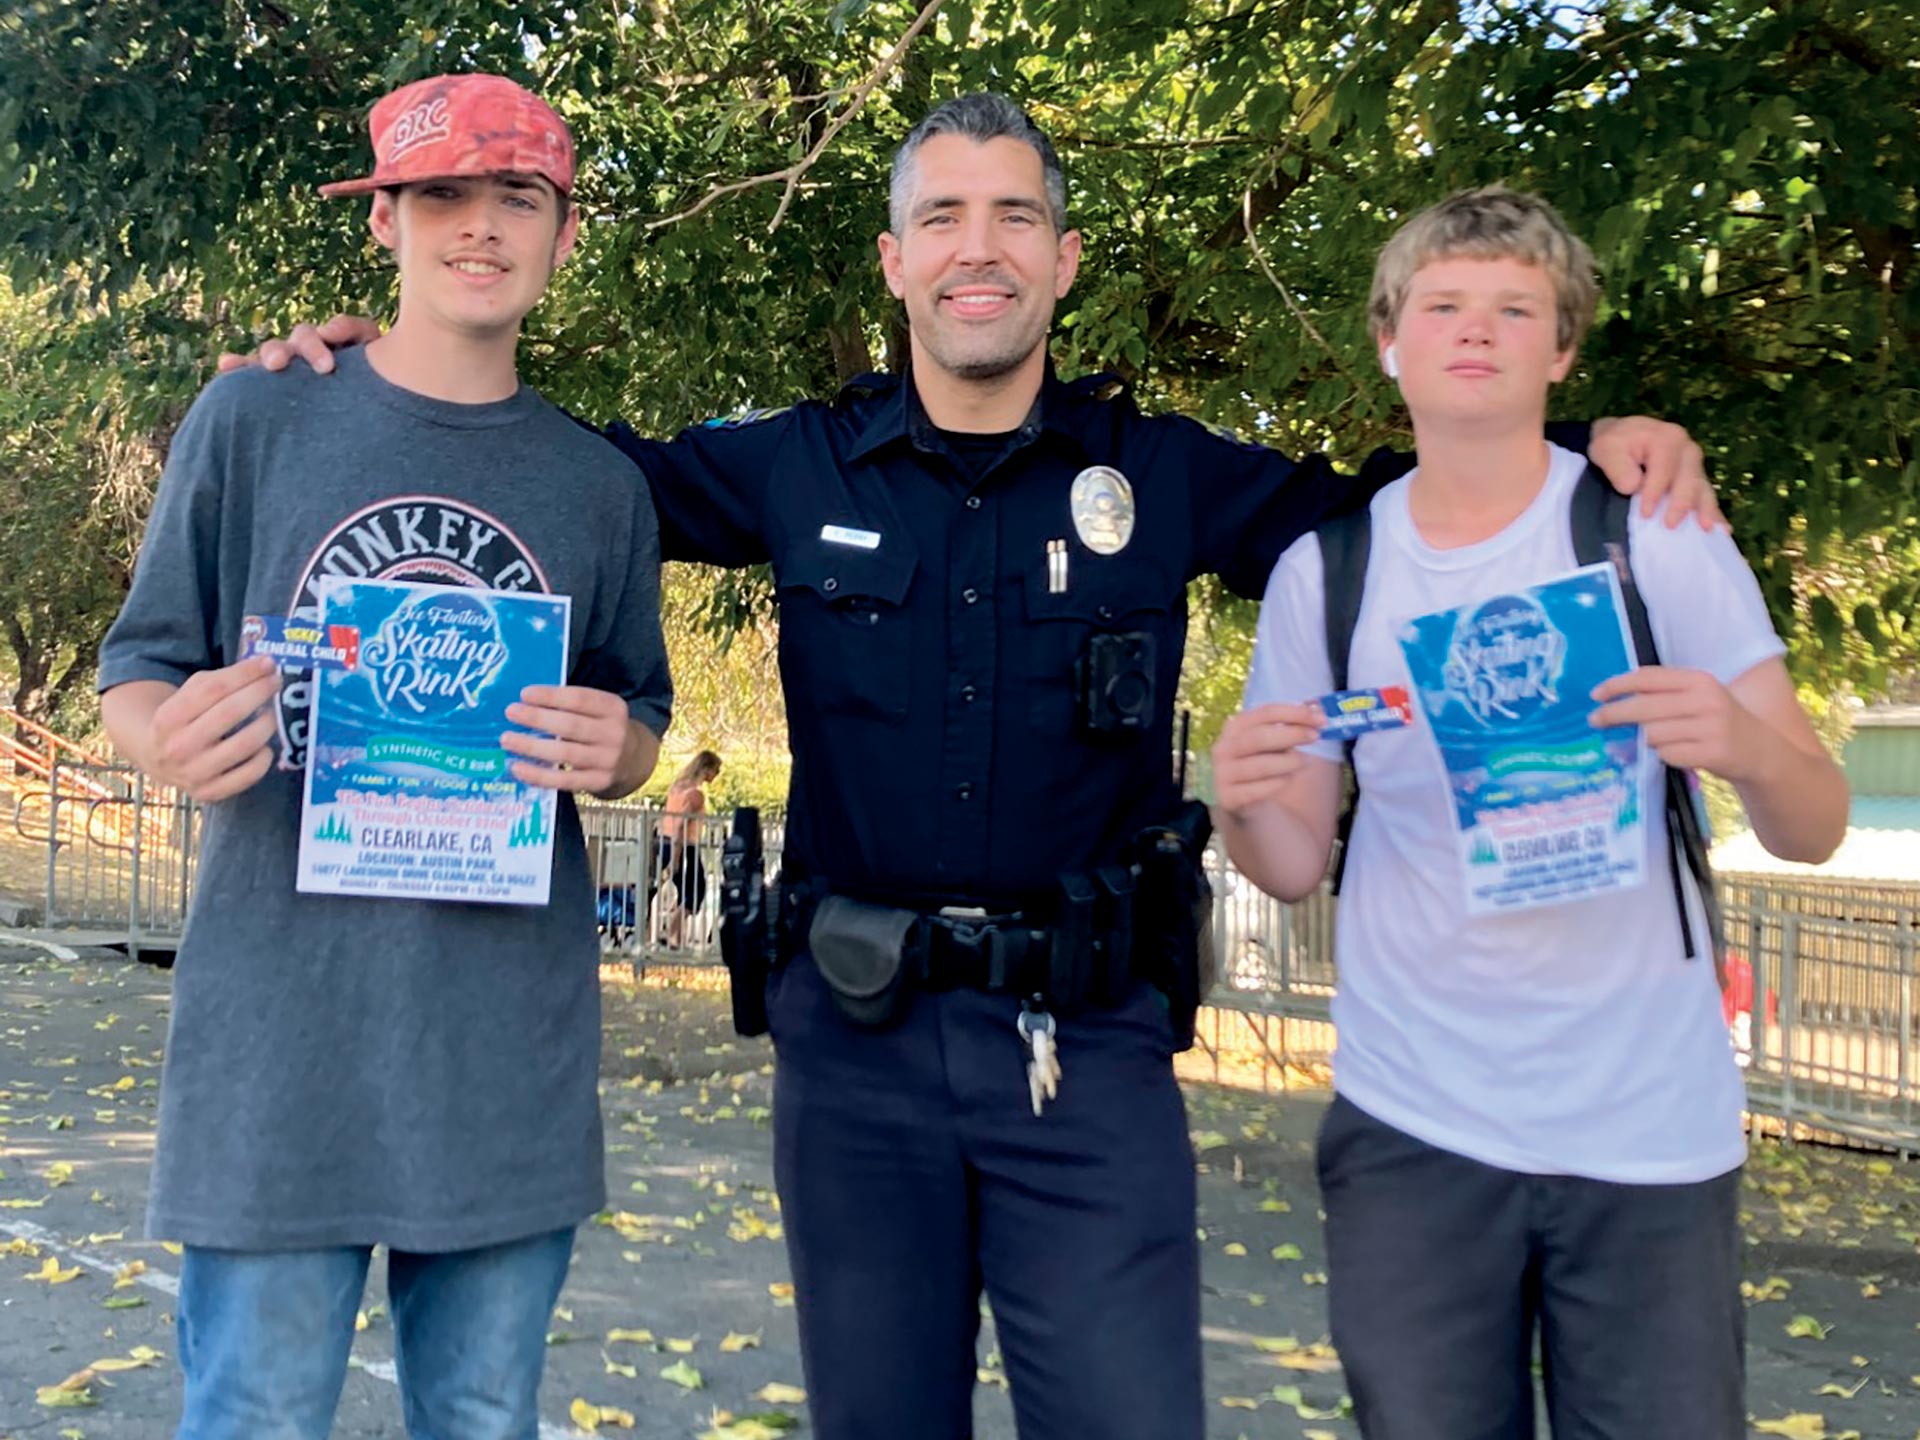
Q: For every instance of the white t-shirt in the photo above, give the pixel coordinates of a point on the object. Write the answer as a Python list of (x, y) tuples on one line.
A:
[(1571, 1039)]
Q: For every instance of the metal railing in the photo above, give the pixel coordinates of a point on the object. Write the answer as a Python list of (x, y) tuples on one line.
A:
[(1827, 1019), (120, 851), (1825, 1012), (656, 879), (31, 748)]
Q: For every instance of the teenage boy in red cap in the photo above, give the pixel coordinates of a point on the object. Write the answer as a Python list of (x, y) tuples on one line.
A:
[(344, 1072)]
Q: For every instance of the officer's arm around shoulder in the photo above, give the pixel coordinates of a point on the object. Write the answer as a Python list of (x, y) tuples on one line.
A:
[(710, 485), (1250, 502)]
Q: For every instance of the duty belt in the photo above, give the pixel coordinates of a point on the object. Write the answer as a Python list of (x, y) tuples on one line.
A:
[(960, 948), (1084, 955)]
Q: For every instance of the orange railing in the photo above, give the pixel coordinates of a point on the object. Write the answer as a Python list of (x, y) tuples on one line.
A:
[(85, 774), (31, 747)]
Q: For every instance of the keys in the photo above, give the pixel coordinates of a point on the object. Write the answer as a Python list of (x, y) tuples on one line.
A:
[(1036, 1028)]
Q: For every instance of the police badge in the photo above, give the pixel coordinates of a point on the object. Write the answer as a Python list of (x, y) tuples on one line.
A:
[(1102, 504)]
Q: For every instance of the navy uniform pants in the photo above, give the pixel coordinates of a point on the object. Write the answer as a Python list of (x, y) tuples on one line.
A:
[(913, 1175), (1441, 1269)]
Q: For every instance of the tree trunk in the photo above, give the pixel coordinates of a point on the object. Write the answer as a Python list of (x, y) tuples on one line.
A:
[(851, 354)]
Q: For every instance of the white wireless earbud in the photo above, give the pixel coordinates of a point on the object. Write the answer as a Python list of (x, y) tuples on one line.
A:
[(1390, 362)]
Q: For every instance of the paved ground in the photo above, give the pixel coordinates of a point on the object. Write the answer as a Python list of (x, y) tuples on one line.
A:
[(692, 1259)]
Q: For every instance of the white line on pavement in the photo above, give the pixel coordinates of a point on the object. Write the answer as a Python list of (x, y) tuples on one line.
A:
[(167, 1285), (40, 1235)]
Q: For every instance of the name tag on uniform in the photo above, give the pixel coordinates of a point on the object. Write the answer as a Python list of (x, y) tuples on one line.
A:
[(844, 535)]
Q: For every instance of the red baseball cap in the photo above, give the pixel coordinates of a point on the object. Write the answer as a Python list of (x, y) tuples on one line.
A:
[(452, 125)]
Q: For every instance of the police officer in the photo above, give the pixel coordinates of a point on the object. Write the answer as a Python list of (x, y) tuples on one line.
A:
[(982, 588)]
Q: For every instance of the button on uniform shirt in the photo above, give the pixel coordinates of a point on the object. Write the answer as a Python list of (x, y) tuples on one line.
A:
[(929, 665)]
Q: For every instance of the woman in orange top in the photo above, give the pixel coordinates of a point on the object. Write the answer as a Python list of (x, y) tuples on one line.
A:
[(676, 846)]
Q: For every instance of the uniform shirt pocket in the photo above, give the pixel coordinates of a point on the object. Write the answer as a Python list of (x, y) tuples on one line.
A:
[(845, 629), (1113, 595)]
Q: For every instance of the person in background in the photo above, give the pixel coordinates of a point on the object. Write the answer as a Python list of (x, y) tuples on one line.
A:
[(680, 876)]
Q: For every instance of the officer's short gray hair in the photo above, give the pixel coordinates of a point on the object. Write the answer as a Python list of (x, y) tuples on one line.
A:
[(979, 117)]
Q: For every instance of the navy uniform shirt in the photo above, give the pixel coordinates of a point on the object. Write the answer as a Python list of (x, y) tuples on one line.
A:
[(929, 667)]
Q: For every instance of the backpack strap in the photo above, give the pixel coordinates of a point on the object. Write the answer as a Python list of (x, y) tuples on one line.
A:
[(1598, 516), (1346, 541)]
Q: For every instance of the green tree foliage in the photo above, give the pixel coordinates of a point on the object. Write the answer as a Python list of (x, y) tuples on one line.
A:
[(1746, 171), (74, 491)]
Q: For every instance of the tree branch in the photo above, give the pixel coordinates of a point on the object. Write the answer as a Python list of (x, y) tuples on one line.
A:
[(791, 174), (1258, 202), (1260, 259), (1850, 47)]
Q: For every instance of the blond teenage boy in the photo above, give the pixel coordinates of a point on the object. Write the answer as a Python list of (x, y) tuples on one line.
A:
[(1537, 1116), (343, 1072)]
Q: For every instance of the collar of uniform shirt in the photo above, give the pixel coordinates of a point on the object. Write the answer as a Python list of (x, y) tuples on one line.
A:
[(900, 416)]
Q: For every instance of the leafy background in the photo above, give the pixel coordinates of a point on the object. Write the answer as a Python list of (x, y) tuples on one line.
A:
[(1746, 173)]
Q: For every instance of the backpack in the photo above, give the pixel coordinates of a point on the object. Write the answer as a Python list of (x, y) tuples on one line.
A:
[(1597, 517)]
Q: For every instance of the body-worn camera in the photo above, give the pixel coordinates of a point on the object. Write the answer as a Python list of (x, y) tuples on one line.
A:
[(1116, 678)]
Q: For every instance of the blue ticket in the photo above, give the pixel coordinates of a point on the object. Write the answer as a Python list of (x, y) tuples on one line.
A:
[(1355, 712), (300, 644)]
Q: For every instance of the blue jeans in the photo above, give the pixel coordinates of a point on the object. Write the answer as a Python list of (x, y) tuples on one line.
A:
[(264, 1338)]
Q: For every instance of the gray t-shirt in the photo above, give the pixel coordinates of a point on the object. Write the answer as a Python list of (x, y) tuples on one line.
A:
[(355, 1071)]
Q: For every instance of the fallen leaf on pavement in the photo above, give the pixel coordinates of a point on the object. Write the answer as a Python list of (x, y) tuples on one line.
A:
[(1291, 1395), (53, 1274), (770, 1426), (1318, 1358), (591, 1417), (74, 1391), (684, 1375)]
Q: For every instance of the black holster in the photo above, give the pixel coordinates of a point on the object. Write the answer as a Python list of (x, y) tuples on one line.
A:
[(1173, 914), (745, 922)]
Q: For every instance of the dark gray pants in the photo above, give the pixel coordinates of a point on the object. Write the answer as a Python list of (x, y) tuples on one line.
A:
[(1440, 1269), (913, 1174)]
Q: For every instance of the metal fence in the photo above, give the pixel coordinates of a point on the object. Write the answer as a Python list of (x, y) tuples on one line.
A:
[(120, 851), (656, 880), (1824, 980), (1821, 996), (1823, 1004)]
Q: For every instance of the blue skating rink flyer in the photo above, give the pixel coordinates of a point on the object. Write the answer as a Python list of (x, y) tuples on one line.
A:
[(1546, 808), (408, 794)]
